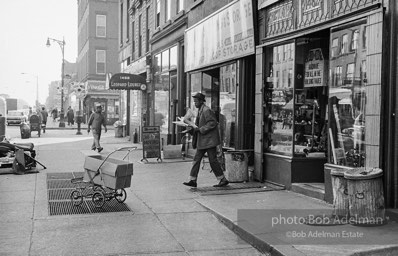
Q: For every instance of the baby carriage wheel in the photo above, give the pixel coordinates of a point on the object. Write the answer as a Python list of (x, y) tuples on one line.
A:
[(76, 197), (120, 195), (98, 199)]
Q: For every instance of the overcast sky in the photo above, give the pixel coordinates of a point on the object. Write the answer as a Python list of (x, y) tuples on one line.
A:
[(24, 27)]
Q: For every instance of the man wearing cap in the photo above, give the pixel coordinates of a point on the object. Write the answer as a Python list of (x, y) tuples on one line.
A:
[(206, 139), (96, 120)]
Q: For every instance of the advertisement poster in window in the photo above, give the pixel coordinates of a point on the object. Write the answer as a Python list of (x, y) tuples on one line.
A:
[(315, 69)]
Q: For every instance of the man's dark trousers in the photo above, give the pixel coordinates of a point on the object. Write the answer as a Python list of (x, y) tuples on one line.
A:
[(214, 164)]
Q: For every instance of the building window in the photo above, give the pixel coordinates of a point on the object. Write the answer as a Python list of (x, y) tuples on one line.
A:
[(100, 61), (180, 5), (364, 37), (133, 40), (350, 73), (168, 9), (157, 16), (121, 23), (147, 30), (344, 44), (335, 47), (363, 72), (337, 76), (139, 35), (128, 21), (355, 39), (100, 25)]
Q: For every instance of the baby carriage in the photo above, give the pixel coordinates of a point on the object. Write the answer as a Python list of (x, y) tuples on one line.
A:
[(104, 178), (21, 157)]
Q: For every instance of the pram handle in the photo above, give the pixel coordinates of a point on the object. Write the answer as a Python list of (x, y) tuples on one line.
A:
[(126, 148), (129, 149)]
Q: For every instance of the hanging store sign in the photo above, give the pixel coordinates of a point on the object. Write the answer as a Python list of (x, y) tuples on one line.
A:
[(225, 35), (125, 81), (315, 69)]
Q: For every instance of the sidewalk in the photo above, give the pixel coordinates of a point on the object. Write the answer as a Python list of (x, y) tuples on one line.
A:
[(55, 125), (255, 225), (166, 216)]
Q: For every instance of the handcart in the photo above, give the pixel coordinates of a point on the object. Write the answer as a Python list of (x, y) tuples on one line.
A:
[(105, 178), (35, 124)]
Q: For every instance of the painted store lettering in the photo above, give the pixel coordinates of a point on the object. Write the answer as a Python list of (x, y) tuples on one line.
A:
[(310, 5)]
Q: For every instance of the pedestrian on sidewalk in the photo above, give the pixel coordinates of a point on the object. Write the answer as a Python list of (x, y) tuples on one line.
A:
[(44, 116), (96, 120), (54, 114), (71, 116), (205, 139)]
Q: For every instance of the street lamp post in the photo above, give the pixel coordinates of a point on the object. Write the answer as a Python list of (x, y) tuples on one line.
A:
[(37, 88), (62, 45)]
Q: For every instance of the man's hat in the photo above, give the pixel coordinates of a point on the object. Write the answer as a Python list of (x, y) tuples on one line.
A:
[(199, 96)]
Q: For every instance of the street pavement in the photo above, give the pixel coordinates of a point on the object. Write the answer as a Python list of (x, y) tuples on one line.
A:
[(167, 218)]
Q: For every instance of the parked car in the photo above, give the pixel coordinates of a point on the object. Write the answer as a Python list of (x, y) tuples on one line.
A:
[(16, 117)]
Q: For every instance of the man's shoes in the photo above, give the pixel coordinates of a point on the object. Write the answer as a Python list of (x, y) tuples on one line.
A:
[(100, 149), (191, 183), (93, 149), (223, 182)]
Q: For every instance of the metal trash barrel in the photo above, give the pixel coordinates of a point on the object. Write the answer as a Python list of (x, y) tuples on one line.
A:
[(366, 198), (340, 193), (236, 165)]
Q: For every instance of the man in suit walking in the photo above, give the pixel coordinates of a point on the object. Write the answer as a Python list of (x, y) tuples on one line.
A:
[(205, 139)]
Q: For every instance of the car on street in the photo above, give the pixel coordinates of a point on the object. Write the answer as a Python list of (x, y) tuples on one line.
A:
[(16, 117)]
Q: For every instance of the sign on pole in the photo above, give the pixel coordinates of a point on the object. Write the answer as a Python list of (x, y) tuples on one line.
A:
[(125, 81)]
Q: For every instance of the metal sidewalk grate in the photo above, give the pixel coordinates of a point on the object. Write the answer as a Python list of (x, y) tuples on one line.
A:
[(59, 188), (66, 208), (60, 176), (55, 184)]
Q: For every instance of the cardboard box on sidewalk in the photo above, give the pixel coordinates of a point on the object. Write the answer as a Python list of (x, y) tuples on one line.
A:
[(116, 173)]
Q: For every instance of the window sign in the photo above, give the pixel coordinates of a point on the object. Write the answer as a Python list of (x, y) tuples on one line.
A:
[(315, 69), (225, 35)]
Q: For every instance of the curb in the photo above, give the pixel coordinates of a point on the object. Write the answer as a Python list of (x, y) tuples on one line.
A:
[(248, 237), (384, 251), (269, 249)]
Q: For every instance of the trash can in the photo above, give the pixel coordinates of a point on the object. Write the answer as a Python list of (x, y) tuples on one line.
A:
[(365, 193), (236, 165), (340, 193), (118, 129)]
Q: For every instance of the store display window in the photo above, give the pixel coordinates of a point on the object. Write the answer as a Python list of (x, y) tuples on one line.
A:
[(164, 81), (295, 98), (347, 98), (278, 99)]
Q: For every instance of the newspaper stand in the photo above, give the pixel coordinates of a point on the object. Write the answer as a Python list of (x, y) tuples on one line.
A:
[(151, 143), (104, 178)]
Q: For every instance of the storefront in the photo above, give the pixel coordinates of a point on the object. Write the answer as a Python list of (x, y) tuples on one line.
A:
[(134, 102), (165, 83), (219, 55), (108, 99), (318, 85)]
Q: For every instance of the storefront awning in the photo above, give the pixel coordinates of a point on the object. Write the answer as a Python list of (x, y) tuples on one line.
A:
[(125, 81)]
